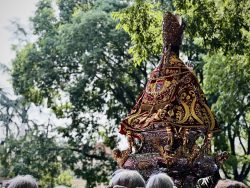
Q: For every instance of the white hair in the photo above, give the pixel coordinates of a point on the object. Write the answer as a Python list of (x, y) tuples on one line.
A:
[(160, 180), (127, 178), (26, 181)]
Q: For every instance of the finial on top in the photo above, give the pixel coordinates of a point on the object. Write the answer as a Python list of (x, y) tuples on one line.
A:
[(173, 27)]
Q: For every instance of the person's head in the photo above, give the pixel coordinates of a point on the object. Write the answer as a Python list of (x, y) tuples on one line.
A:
[(23, 182), (160, 180), (230, 184), (127, 179)]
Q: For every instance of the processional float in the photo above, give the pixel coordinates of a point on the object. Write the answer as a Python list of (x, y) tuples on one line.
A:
[(169, 119)]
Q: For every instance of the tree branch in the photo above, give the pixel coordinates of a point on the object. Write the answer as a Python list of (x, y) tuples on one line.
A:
[(242, 145), (225, 172)]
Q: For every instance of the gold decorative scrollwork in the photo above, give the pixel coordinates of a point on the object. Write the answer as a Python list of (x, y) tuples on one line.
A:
[(186, 112), (193, 111)]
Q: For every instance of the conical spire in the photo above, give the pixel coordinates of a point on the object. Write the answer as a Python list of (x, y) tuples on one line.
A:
[(173, 28)]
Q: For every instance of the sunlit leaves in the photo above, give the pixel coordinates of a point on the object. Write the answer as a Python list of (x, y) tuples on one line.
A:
[(226, 81), (143, 22)]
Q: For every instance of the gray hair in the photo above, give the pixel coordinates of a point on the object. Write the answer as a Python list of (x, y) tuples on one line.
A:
[(23, 182), (160, 180), (127, 179)]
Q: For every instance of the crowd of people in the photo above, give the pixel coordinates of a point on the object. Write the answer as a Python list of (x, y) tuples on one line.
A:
[(120, 179), (132, 179), (123, 178)]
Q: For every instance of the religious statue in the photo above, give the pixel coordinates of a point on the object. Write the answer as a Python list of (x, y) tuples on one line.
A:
[(171, 125)]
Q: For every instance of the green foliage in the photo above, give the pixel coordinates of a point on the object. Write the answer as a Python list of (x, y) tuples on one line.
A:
[(26, 155), (67, 7), (14, 112), (80, 68), (44, 19), (24, 147), (143, 22), (226, 78), (217, 23), (65, 178)]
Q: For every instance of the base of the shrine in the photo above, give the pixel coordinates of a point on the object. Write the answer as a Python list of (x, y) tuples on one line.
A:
[(184, 172)]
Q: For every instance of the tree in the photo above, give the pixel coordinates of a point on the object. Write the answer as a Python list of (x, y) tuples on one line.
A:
[(79, 67), (26, 155), (226, 81), (10, 108), (143, 22), (24, 143)]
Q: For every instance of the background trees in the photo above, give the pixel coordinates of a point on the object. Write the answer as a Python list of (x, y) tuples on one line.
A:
[(80, 66), (27, 146)]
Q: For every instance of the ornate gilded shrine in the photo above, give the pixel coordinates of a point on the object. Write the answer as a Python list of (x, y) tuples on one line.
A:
[(170, 127)]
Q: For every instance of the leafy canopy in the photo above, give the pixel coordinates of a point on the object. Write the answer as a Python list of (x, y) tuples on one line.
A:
[(80, 67)]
